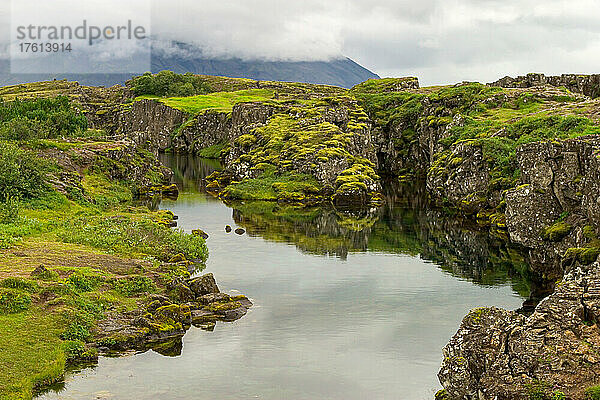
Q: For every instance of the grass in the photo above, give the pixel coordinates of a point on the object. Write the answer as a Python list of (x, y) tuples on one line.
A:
[(271, 186), (215, 151), (31, 352), (38, 338), (220, 101)]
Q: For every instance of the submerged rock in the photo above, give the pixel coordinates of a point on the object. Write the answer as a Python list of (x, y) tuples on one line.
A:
[(228, 228)]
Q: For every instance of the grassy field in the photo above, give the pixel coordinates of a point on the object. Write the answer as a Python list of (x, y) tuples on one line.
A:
[(220, 101)]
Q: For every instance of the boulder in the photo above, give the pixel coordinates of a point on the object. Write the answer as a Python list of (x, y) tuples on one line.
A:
[(498, 354), (203, 285), (201, 233)]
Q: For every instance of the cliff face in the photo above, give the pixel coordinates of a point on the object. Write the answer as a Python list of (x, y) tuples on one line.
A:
[(464, 139), (500, 354), (559, 198)]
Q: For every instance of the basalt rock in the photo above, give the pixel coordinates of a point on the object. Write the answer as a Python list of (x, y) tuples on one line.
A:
[(561, 189), (588, 85), (204, 285), (500, 354), (163, 320), (200, 232)]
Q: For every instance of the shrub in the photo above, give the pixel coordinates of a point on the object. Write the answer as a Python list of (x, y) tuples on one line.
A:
[(22, 174), (76, 331), (82, 283), (134, 285), (78, 328), (40, 119), (13, 301), (169, 84), (9, 210), (20, 284)]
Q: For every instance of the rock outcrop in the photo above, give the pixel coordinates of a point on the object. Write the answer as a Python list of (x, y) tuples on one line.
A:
[(500, 354), (588, 85), (196, 301), (556, 208)]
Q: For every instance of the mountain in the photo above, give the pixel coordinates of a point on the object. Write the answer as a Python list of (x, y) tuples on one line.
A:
[(181, 58)]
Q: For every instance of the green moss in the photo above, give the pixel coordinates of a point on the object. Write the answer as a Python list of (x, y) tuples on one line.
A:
[(215, 151), (557, 232), (589, 232), (584, 255), (245, 140), (272, 186), (592, 393), (476, 314), (442, 395), (220, 307), (104, 192)]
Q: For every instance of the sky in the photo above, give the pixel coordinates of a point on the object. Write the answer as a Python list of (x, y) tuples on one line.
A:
[(439, 41)]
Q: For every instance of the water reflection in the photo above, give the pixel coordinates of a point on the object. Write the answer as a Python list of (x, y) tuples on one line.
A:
[(407, 224)]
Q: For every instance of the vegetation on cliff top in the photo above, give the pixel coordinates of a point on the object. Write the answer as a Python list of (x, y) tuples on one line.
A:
[(40, 119), (219, 101), (169, 84)]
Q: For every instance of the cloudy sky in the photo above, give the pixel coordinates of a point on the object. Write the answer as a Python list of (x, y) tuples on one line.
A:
[(440, 41)]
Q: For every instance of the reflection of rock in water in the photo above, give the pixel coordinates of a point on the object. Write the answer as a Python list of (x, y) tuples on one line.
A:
[(405, 225), (172, 348), (190, 170)]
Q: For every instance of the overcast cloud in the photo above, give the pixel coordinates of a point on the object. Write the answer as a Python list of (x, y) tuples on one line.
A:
[(440, 41)]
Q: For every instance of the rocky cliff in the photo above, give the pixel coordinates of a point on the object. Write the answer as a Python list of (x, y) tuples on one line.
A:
[(553, 354), (588, 85)]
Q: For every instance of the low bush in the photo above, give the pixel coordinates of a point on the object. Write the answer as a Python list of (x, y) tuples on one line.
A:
[(40, 119), (22, 173), (9, 210), (19, 284), (13, 301), (133, 235), (169, 84), (134, 285)]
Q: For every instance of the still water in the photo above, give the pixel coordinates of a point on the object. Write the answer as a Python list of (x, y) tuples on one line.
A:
[(348, 305)]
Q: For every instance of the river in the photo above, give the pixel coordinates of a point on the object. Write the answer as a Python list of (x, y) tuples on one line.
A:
[(347, 305)]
